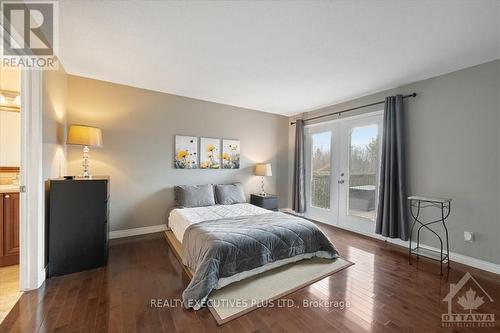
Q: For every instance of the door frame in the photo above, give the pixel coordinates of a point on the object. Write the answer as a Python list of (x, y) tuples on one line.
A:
[(32, 217), (335, 172)]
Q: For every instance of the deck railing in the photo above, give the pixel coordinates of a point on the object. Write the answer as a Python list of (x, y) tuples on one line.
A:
[(320, 186), (320, 189), (362, 179)]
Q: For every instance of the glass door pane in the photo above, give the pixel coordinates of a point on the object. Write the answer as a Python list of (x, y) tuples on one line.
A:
[(321, 164), (358, 181), (321, 168), (363, 166)]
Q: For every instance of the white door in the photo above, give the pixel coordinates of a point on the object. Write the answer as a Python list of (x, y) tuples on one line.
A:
[(342, 167), (322, 165), (359, 173)]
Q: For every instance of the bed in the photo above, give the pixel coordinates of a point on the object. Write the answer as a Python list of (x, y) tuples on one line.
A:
[(180, 219), (224, 243)]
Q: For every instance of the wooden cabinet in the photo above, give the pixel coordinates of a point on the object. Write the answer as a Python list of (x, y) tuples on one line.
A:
[(77, 225), (9, 229)]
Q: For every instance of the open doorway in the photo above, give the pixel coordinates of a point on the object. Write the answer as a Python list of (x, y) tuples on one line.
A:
[(10, 166)]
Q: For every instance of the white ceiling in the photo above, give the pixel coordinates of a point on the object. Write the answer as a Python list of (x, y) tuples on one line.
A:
[(275, 56)]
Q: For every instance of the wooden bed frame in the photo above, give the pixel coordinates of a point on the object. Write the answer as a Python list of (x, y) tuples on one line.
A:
[(176, 246)]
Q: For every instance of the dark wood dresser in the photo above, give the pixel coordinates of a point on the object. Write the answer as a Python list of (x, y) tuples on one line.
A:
[(77, 229)]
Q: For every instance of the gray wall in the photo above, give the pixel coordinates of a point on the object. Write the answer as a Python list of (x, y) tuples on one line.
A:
[(453, 128), (55, 99), (138, 133)]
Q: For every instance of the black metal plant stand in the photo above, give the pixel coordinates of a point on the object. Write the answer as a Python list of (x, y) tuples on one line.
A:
[(417, 203)]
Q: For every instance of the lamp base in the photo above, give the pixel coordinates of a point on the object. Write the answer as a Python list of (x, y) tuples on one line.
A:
[(85, 163), (262, 192)]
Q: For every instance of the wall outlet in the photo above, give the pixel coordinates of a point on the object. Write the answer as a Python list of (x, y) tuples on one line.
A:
[(468, 236)]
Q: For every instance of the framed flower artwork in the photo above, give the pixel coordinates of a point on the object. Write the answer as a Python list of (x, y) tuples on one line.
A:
[(210, 153), (230, 154), (186, 152)]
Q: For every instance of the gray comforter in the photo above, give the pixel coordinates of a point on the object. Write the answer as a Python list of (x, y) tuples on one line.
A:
[(222, 248)]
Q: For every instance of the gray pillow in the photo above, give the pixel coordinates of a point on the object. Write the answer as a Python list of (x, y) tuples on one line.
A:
[(194, 195), (229, 194)]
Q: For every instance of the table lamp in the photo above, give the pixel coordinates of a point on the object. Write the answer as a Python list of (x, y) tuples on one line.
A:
[(263, 170), (85, 136)]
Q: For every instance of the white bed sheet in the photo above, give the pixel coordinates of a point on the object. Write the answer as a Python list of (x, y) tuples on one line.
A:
[(181, 218)]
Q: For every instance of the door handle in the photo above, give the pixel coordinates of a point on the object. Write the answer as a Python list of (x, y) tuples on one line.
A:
[(341, 181)]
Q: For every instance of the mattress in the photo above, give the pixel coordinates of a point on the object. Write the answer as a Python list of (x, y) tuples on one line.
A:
[(181, 218)]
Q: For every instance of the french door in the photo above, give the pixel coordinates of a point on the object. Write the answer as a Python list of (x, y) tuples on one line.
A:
[(342, 167)]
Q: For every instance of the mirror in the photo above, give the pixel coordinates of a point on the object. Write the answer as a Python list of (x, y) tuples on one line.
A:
[(10, 130), (10, 119)]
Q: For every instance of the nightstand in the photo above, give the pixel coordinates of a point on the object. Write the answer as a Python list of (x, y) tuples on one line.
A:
[(268, 201)]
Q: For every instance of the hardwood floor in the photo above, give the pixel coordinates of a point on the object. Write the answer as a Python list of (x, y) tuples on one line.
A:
[(384, 292)]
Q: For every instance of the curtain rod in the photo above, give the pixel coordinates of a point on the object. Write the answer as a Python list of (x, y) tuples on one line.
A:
[(348, 110)]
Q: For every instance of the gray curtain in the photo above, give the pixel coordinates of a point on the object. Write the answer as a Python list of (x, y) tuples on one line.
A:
[(299, 174), (392, 213)]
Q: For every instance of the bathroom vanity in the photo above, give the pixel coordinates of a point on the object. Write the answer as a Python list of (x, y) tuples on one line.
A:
[(9, 225), (10, 148)]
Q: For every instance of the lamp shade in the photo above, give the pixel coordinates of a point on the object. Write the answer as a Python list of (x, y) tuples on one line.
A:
[(84, 136), (263, 169)]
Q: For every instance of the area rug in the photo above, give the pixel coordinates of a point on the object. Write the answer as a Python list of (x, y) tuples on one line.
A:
[(267, 288)]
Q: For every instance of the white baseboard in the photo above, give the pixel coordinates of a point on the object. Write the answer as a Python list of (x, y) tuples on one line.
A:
[(469, 261), (137, 231), (41, 277), (455, 257)]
